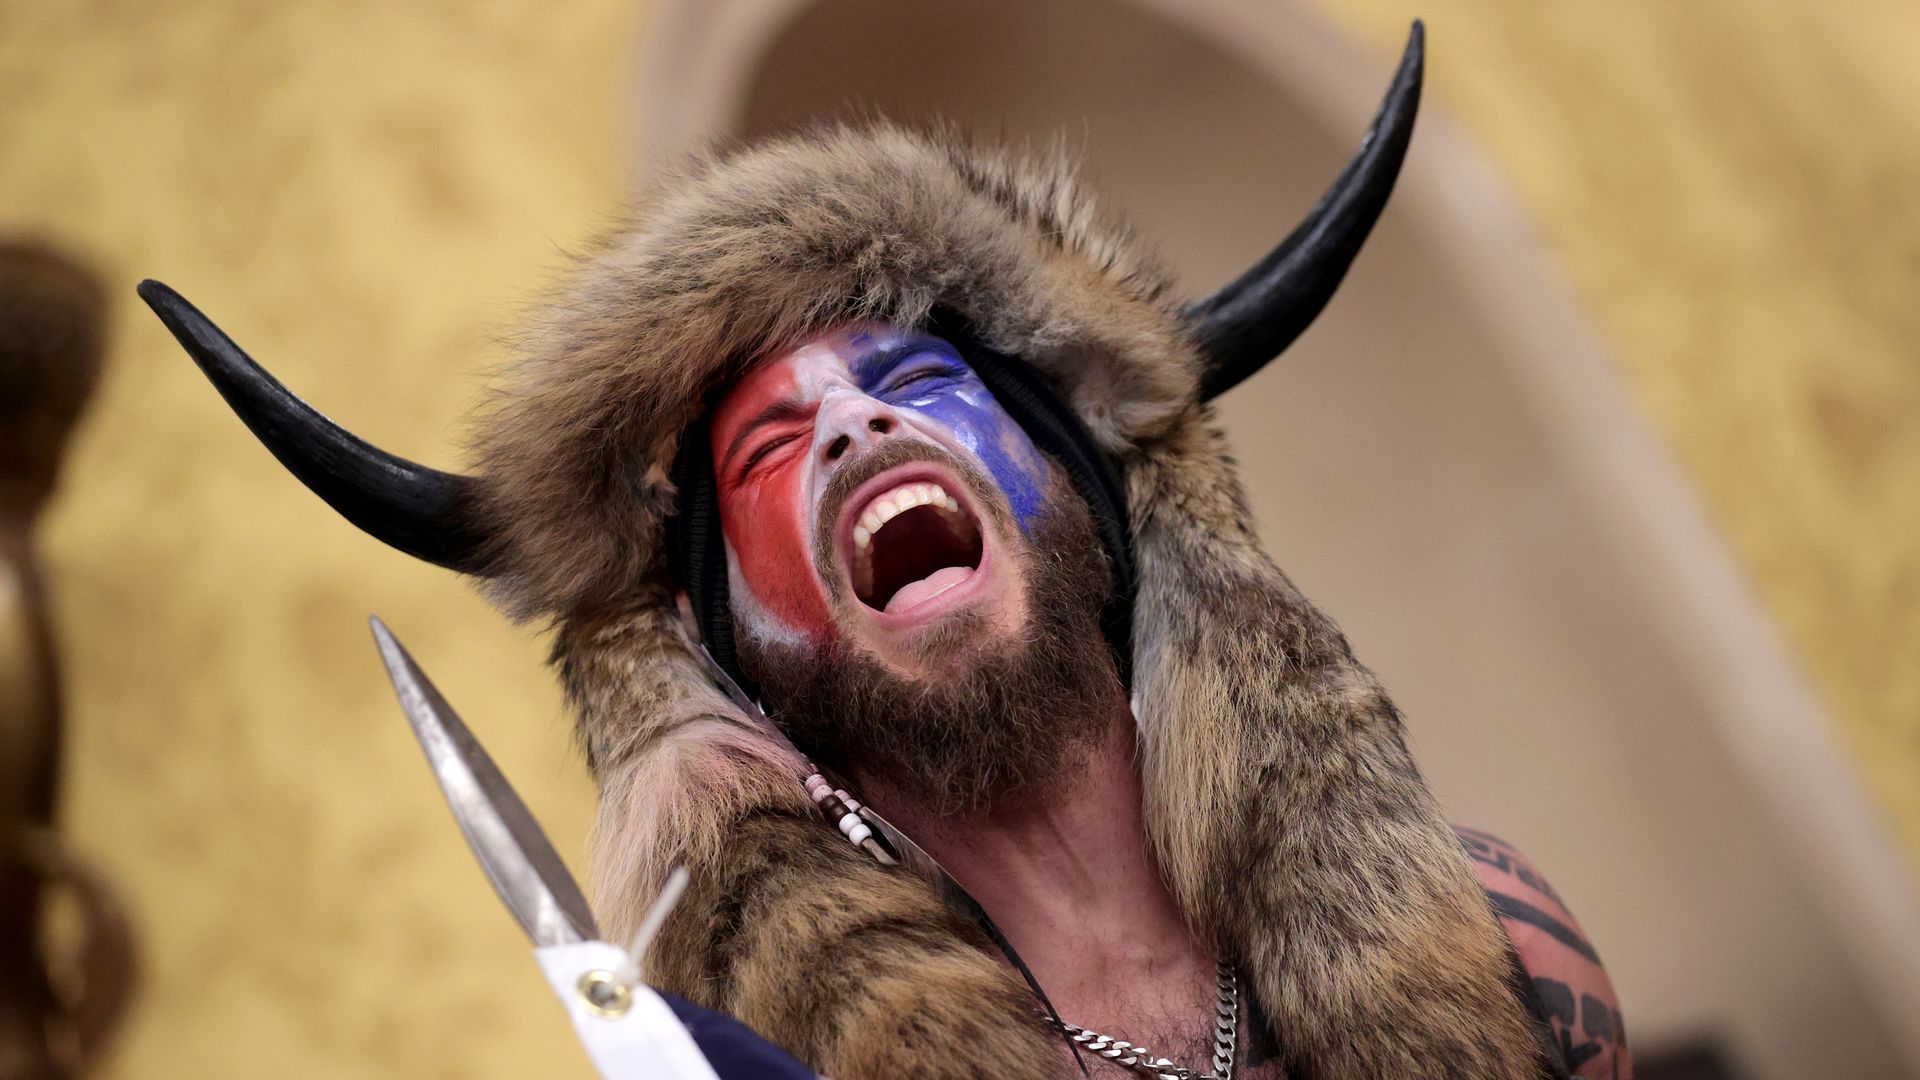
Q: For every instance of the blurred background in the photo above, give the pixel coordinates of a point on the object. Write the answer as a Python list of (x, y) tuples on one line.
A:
[(1606, 457)]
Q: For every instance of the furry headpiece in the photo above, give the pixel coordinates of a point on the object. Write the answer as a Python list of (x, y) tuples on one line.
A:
[(1292, 825)]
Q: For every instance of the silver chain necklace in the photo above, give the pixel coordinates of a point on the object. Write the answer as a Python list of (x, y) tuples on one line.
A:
[(1226, 1032)]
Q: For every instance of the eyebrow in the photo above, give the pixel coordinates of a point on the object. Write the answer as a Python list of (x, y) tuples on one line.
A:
[(784, 409), (872, 365)]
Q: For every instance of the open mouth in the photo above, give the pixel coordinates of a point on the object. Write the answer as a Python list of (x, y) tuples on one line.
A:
[(912, 543)]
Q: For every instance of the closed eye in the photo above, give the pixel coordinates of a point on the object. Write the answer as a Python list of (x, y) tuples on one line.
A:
[(760, 452), (919, 376)]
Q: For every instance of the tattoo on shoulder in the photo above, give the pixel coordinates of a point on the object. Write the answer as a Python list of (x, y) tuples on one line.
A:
[(1490, 850), (1569, 987), (1517, 910), (1584, 1026)]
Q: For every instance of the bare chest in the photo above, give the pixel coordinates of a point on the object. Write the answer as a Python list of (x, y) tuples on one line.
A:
[(1191, 1046)]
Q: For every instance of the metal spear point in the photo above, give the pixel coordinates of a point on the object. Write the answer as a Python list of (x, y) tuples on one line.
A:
[(516, 855), (628, 1029)]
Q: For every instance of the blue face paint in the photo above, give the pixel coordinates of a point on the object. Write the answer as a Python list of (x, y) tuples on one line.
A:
[(922, 374)]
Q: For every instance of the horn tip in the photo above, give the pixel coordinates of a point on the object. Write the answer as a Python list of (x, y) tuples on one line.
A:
[(155, 292), (193, 330), (172, 308)]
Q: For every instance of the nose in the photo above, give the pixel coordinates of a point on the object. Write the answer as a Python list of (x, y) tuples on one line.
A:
[(850, 423)]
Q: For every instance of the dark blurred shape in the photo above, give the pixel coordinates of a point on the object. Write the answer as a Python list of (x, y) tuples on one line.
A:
[(64, 982), (1693, 1061), (52, 338)]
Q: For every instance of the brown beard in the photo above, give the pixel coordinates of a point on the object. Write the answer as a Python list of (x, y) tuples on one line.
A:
[(1001, 713)]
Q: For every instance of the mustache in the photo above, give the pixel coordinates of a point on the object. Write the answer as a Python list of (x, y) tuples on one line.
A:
[(987, 498)]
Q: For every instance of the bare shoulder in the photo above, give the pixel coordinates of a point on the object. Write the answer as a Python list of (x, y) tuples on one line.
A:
[(1565, 967)]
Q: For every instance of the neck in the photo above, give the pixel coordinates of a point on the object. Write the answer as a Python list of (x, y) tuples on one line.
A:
[(1066, 873)]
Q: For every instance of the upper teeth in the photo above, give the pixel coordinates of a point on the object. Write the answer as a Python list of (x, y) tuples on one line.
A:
[(893, 503)]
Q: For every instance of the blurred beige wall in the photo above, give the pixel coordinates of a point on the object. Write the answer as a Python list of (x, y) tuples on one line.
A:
[(363, 195), (1734, 189)]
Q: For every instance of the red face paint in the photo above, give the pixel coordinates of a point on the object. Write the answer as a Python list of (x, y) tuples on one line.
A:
[(764, 508)]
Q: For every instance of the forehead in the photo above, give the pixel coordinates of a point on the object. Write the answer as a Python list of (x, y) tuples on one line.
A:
[(854, 354)]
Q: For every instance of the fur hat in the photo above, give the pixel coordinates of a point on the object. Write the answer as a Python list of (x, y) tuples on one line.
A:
[(1293, 827)]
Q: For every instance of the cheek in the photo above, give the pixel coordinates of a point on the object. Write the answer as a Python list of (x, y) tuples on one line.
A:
[(1003, 449), (766, 526)]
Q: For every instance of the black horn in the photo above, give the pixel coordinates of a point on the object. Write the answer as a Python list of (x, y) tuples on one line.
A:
[(424, 512), (1258, 314)]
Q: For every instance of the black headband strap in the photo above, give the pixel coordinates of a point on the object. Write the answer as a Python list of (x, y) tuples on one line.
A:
[(698, 549)]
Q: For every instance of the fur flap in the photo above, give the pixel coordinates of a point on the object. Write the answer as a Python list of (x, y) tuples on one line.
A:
[(1285, 809), (858, 970), (1292, 823)]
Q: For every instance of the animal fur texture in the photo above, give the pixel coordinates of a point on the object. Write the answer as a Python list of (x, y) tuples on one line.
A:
[(1290, 820)]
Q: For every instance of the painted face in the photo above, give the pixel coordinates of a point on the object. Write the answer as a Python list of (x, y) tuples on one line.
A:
[(797, 439)]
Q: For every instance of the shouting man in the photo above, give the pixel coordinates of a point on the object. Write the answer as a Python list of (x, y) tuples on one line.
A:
[(918, 447)]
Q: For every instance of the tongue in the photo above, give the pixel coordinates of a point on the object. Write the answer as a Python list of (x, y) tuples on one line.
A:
[(918, 592)]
